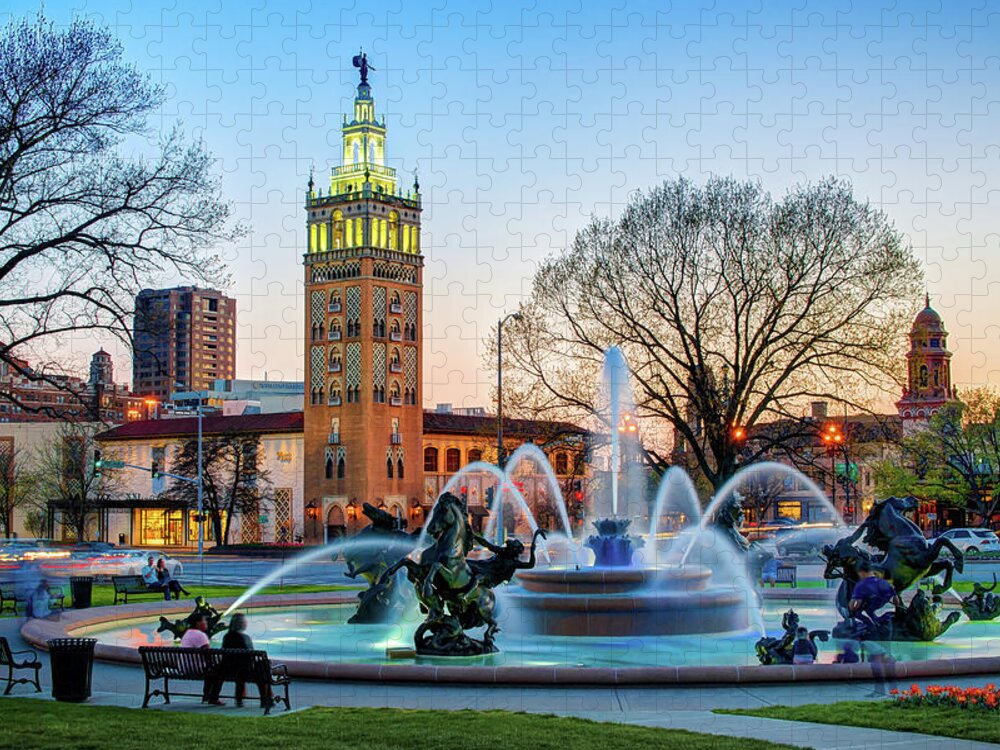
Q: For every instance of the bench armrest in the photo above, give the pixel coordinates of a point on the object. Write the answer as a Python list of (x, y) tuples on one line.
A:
[(279, 669), (34, 654)]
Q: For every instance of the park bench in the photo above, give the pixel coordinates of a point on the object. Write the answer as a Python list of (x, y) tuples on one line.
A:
[(11, 660), (786, 574), (133, 585), (229, 665), (11, 595)]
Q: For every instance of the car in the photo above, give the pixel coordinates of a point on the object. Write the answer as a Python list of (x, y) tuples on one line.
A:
[(810, 542), (973, 541)]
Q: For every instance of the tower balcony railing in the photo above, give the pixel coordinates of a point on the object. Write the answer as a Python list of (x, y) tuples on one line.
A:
[(396, 438), (334, 307), (361, 167), (334, 367), (395, 335), (333, 401), (395, 367), (395, 401), (333, 335), (333, 438), (396, 307)]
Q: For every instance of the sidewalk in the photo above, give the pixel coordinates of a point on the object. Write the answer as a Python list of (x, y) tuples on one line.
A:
[(669, 708)]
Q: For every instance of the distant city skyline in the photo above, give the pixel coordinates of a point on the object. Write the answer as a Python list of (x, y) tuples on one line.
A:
[(523, 124)]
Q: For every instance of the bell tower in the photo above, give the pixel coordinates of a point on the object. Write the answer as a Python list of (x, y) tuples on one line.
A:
[(363, 414), (928, 370)]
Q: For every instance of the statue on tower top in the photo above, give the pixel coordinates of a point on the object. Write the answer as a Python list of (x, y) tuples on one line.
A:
[(361, 61)]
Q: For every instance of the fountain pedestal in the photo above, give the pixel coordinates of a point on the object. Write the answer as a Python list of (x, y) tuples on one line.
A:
[(623, 601), (612, 546)]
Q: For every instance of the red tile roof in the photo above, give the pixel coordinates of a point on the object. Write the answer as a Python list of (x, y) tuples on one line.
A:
[(289, 421), (460, 424)]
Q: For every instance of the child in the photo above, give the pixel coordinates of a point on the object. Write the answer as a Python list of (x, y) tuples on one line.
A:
[(848, 655), (804, 651)]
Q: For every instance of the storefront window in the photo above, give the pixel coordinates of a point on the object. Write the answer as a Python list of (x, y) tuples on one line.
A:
[(162, 528), (209, 526), (791, 510)]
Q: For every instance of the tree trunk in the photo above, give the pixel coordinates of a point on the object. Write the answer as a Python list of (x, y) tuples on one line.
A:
[(217, 527)]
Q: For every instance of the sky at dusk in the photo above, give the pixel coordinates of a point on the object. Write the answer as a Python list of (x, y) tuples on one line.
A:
[(524, 123)]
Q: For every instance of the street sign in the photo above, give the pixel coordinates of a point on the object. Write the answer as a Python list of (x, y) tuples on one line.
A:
[(113, 464)]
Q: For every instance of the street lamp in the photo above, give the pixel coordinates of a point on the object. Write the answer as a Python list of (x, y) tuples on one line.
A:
[(500, 456), (832, 439)]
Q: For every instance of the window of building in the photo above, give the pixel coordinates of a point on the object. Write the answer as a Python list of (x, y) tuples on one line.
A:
[(562, 465), (388, 468), (453, 460), (399, 468), (341, 468), (329, 467), (431, 460)]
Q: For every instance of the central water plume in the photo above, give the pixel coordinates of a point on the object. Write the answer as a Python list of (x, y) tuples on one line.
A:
[(620, 412)]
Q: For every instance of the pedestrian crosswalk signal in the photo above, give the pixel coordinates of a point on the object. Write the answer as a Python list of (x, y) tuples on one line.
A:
[(155, 469)]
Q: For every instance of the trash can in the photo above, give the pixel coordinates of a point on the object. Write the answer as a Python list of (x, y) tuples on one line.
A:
[(72, 661), (81, 587)]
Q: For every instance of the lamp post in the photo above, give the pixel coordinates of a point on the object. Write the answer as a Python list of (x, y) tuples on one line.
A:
[(833, 438), (500, 456)]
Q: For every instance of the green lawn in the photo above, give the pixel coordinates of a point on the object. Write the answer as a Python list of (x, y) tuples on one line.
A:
[(104, 594), (958, 723), (29, 724)]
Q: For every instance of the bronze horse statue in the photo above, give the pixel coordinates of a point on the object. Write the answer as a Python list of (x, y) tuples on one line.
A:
[(909, 556), (457, 593)]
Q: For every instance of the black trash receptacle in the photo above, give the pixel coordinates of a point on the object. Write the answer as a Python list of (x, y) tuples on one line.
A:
[(72, 661), (82, 588)]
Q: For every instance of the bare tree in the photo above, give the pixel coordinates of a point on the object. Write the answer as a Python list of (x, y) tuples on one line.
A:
[(234, 479), (65, 478), (17, 485), (732, 308), (91, 207)]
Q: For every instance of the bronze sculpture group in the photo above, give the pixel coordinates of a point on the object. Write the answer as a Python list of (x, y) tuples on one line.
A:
[(982, 603), (779, 650), (387, 542), (903, 556)]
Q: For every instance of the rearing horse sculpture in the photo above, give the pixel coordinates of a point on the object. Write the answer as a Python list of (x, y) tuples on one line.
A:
[(457, 594), (909, 557)]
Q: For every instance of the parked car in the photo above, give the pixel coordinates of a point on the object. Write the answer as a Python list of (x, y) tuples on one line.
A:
[(810, 542), (973, 541)]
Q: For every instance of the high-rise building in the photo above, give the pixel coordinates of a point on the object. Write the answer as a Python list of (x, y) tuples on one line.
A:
[(184, 338), (363, 281)]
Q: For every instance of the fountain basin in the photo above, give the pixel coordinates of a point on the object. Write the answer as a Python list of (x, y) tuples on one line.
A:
[(612, 580), (624, 602)]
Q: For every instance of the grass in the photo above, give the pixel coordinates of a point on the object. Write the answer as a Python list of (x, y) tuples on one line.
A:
[(29, 724), (944, 721), (104, 593)]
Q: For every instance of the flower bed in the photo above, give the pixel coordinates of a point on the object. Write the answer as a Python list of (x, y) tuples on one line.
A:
[(976, 698)]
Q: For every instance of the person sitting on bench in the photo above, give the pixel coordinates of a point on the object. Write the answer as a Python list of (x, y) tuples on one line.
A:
[(152, 580)]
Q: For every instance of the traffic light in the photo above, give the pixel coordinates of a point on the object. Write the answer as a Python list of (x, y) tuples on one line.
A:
[(155, 469), (97, 462)]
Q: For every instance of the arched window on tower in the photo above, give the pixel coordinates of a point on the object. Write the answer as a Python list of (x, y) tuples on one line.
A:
[(561, 463), (388, 468), (338, 230), (937, 377), (393, 231), (329, 467), (341, 468), (399, 468), (923, 376)]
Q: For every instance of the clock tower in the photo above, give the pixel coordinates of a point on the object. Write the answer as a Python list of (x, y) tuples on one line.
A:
[(363, 414)]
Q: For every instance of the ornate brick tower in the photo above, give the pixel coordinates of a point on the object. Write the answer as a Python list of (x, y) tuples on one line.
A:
[(928, 385), (363, 282)]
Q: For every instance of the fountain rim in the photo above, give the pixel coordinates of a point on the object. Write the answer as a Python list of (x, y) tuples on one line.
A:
[(38, 632)]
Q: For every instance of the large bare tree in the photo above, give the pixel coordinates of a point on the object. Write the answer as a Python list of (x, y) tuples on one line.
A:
[(732, 308), (93, 206), (234, 479)]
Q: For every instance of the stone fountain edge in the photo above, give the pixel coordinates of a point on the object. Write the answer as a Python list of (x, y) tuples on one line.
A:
[(37, 632)]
